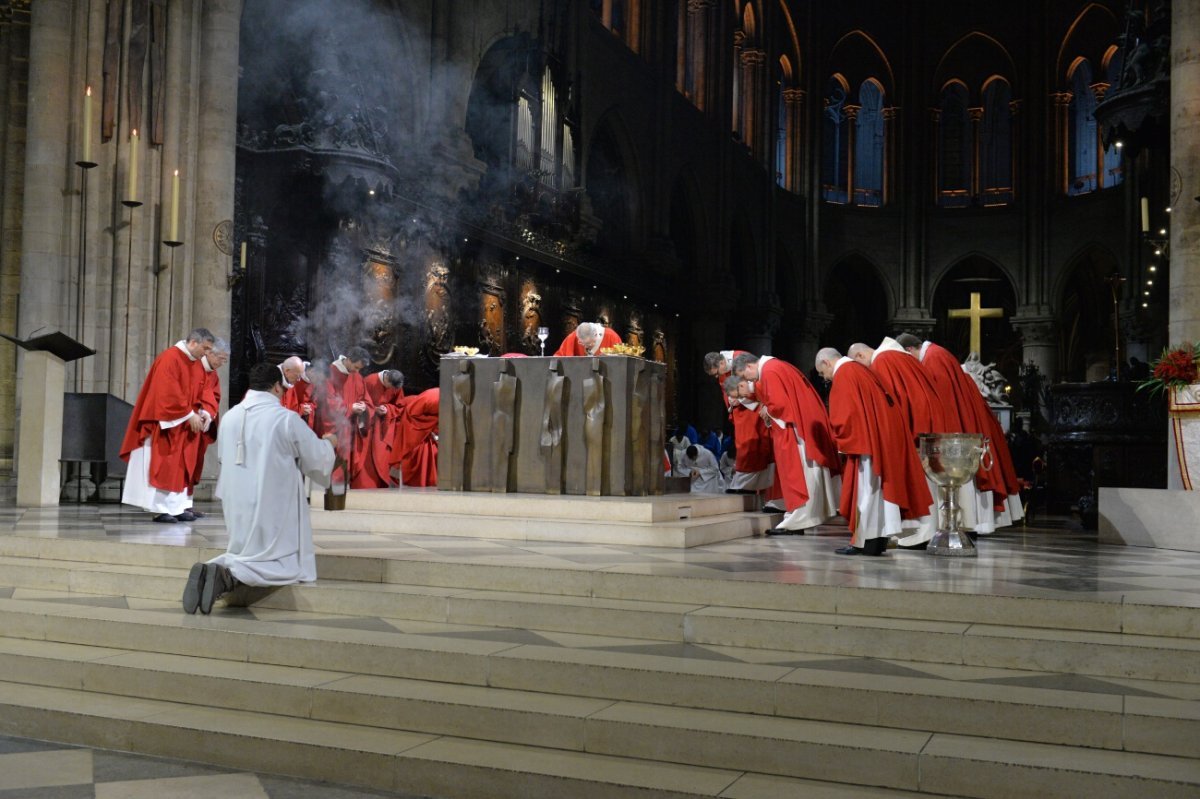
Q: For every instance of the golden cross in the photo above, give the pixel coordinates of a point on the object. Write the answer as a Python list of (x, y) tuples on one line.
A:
[(976, 313)]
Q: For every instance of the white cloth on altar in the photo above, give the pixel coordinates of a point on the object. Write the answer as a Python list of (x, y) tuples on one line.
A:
[(264, 499)]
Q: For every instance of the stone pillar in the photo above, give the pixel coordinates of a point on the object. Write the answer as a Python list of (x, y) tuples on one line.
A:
[(45, 263), (1058, 131), (816, 320), (1184, 295), (210, 299), (42, 386), (752, 61), (1183, 323), (976, 116), (1039, 336), (793, 179), (760, 323), (698, 14)]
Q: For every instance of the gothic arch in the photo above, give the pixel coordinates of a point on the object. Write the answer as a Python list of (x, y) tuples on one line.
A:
[(977, 272), (1090, 35), (1084, 304), (858, 57), (975, 59), (857, 293), (793, 39), (688, 223), (612, 181)]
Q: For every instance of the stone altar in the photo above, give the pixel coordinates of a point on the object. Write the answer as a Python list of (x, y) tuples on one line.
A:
[(553, 425)]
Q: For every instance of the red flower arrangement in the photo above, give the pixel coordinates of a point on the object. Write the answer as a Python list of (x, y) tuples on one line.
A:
[(1174, 369)]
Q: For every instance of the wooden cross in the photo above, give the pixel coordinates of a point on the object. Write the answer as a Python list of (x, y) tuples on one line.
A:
[(975, 313)]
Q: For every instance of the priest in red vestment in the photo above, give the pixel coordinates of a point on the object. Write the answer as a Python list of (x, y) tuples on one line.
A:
[(298, 390), (210, 403), (754, 468), (753, 465), (907, 382), (346, 410), (806, 459), (386, 390), (588, 339), (166, 421), (883, 484), (414, 449), (999, 490)]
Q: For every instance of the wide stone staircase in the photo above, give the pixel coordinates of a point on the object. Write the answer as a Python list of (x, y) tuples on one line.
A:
[(482, 680)]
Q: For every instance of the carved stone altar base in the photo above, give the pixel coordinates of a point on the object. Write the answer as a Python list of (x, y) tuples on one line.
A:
[(592, 426)]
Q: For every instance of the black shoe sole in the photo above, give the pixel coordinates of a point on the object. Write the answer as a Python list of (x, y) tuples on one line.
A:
[(194, 588), (166, 518), (213, 588)]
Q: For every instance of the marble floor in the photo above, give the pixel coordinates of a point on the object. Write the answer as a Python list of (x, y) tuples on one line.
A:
[(1054, 560)]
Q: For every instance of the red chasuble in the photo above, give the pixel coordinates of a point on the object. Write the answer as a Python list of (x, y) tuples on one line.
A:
[(951, 381), (571, 345), (414, 448), (171, 391), (787, 395), (909, 385), (865, 422), (301, 393), (210, 400), (352, 429), (751, 439), (382, 429)]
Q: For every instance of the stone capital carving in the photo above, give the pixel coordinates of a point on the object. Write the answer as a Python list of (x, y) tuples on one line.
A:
[(700, 6), (752, 57), (1037, 331)]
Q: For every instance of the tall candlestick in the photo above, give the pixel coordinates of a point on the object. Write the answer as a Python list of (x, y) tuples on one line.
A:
[(1145, 214), (131, 191), (87, 126), (243, 256), (175, 207)]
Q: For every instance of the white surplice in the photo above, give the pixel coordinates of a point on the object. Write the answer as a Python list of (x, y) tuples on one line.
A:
[(265, 452), (708, 475)]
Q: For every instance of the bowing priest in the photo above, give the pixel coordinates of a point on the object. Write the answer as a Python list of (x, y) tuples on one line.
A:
[(210, 402), (298, 389), (700, 466), (164, 428), (265, 452), (588, 339), (753, 469), (415, 446), (386, 390), (998, 490), (806, 460), (908, 384), (346, 410), (883, 484)]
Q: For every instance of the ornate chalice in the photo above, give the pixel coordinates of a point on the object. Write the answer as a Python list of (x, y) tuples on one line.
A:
[(951, 460)]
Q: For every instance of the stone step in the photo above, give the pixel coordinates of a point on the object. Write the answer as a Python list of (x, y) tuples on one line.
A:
[(640, 510), (675, 533), (399, 760), (1001, 646), (140, 653), (1095, 616), (1133, 723)]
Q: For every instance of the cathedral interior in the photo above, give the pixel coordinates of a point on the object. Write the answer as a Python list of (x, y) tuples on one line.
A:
[(771, 175), (1016, 181)]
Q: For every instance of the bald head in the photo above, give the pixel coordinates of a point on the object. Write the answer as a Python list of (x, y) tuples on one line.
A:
[(292, 368), (861, 353), (826, 358)]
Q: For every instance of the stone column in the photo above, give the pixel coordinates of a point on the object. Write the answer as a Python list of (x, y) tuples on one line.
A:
[(45, 263), (220, 24), (1039, 336), (698, 13), (793, 178), (816, 320), (752, 61), (851, 152), (976, 116), (760, 323), (1184, 295)]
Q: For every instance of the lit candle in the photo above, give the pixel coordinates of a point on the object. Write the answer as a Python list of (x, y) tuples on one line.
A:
[(87, 126), (1145, 214), (131, 191), (243, 256), (175, 207)]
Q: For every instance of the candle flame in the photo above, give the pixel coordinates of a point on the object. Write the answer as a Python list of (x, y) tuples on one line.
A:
[(176, 173), (134, 132), (89, 91)]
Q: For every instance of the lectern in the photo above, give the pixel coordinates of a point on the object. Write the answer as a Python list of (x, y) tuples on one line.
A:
[(39, 428)]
